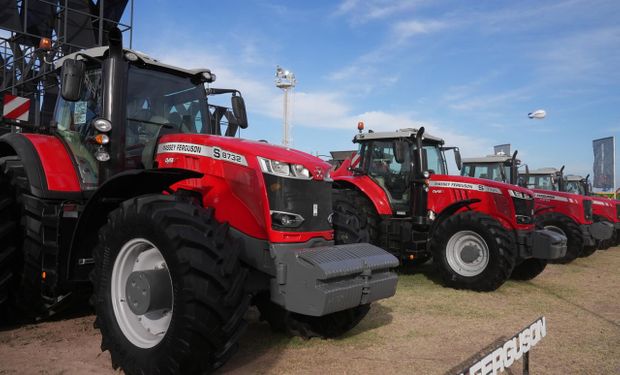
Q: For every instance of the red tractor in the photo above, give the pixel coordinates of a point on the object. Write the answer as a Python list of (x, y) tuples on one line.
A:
[(603, 209), (396, 192), (556, 209), (180, 227)]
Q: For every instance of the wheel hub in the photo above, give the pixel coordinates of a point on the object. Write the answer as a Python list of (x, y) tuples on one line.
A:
[(148, 291), (467, 253), (141, 292), (470, 253)]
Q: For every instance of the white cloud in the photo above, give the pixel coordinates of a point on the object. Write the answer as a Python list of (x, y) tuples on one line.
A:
[(407, 29)]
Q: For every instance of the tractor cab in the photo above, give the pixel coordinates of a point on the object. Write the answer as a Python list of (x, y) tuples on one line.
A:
[(546, 179), (392, 160), (114, 106), (499, 167), (577, 184)]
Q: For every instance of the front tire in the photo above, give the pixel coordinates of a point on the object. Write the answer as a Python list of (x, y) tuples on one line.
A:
[(355, 218), (473, 251), (293, 324), (196, 327), (529, 269)]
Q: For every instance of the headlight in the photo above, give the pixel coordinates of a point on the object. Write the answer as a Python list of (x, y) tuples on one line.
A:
[(102, 125), (282, 169), (520, 195)]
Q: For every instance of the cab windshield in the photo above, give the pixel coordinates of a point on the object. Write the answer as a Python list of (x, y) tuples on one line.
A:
[(381, 165), (489, 171), (160, 103), (545, 182), (575, 187)]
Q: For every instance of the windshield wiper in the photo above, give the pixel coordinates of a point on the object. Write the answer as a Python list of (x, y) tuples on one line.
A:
[(167, 126)]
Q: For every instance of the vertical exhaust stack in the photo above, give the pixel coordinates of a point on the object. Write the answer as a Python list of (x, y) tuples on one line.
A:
[(419, 187), (513, 168), (114, 102)]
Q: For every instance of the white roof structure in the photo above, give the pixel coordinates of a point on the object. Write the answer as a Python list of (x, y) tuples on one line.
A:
[(488, 159), (573, 177), (98, 52), (544, 171), (401, 133)]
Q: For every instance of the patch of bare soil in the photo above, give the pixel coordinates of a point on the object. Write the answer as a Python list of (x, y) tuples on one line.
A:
[(424, 329)]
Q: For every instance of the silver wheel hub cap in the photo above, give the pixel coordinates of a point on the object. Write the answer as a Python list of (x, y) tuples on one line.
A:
[(467, 253), (141, 291)]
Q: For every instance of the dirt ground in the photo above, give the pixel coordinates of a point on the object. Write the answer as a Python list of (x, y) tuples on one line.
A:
[(424, 329)]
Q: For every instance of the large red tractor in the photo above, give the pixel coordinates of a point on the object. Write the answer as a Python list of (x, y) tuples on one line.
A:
[(179, 228), (556, 209), (395, 191)]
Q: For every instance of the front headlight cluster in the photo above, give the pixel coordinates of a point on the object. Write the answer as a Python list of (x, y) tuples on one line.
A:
[(282, 169), (520, 195)]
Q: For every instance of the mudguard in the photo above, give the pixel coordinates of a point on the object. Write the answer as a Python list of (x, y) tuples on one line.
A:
[(47, 163), (119, 188), (370, 189)]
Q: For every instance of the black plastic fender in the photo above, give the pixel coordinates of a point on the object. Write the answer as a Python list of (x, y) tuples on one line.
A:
[(110, 195), (449, 211)]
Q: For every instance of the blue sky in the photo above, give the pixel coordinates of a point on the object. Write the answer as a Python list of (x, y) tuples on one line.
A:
[(469, 71)]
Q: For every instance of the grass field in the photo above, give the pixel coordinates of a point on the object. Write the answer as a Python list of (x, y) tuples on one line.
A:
[(424, 329)]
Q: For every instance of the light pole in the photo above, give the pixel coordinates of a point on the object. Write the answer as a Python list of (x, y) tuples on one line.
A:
[(286, 81)]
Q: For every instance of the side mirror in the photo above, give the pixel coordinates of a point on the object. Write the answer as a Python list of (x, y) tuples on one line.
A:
[(72, 79), (238, 107), (400, 151), (457, 158)]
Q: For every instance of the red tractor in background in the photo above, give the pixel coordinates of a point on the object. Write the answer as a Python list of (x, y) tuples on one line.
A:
[(396, 192), (566, 213), (135, 187)]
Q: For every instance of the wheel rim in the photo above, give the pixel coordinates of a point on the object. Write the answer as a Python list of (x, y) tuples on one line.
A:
[(147, 330), (467, 253), (555, 229)]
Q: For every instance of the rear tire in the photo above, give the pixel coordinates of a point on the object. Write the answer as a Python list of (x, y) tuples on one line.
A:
[(207, 288), (293, 324), (473, 251), (355, 218), (529, 269), (563, 225), (9, 234), (21, 250)]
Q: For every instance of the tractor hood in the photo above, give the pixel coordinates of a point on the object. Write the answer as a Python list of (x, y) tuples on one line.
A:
[(241, 151)]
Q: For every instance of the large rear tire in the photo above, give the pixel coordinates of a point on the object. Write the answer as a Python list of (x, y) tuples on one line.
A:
[(9, 234), (355, 218), (529, 269), (567, 227), (199, 322), (293, 324), (473, 251), (20, 250)]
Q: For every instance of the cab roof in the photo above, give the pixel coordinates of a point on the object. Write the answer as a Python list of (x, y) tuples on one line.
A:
[(573, 177), (547, 170), (488, 159), (99, 52), (401, 133)]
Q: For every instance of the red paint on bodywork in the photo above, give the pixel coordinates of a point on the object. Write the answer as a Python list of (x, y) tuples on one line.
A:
[(567, 204), (498, 205), (60, 174), (238, 192)]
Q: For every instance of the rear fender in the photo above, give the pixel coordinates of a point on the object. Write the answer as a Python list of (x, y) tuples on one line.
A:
[(108, 197), (370, 189), (47, 164)]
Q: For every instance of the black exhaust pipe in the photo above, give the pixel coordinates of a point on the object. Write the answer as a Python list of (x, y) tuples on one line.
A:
[(419, 187)]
